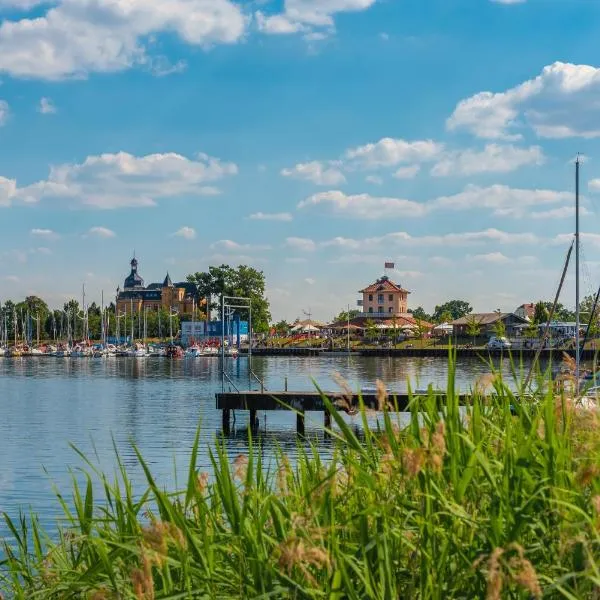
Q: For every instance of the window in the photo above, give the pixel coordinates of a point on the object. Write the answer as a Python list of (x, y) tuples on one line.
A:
[(391, 297), (370, 296), (390, 309), (380, 309), (370, 309), (380, 298)]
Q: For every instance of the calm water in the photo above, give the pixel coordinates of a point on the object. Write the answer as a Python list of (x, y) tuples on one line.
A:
[(47, 403)]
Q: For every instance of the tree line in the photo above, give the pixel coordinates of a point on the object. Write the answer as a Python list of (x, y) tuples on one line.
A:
[(33, 319)]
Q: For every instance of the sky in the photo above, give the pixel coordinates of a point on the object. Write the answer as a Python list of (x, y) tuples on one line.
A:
[(312, 139)]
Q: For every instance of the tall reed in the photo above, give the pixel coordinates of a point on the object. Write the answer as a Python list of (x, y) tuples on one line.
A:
[(500, 499)]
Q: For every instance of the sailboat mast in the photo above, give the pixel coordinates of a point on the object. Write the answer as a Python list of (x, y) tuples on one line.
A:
[(577, 315)]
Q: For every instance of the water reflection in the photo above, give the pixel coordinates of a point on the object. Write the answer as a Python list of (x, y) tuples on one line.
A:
[(157, 404)]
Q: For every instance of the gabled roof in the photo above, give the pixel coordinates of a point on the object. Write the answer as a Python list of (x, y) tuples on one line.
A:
[(485, 318), (528, 309), (384, 284)]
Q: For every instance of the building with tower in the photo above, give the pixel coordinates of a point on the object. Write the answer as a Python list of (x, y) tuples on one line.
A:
[(135, 297), (384, 299)]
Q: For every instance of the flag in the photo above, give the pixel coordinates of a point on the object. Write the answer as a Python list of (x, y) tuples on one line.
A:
[(389, 265)]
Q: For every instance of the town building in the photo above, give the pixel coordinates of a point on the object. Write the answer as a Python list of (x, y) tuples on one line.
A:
[(135, 297), (384, 299), (488, 323), (526, 311)]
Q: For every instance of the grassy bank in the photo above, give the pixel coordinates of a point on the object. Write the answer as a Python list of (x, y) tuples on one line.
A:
[(501, 503)]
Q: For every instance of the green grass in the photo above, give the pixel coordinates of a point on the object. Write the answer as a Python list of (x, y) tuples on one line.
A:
[(500, 502)]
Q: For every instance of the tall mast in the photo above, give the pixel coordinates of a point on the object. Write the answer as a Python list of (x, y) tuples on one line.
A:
[(577, 315)]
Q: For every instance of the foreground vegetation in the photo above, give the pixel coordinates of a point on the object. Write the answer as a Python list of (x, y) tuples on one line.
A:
[(501, 500)]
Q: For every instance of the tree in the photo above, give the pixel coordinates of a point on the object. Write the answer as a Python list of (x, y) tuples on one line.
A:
[(540, 313), (473, 327), (421, 329), (282, 327), (499, 327), (454, 308), (345, 315), (419, 313), (245, 281), (371, 329), (561, 313)]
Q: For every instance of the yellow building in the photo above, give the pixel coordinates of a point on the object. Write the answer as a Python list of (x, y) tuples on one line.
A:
[(135, 297)]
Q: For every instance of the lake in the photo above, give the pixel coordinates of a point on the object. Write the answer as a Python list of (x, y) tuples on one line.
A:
[(48, 403)]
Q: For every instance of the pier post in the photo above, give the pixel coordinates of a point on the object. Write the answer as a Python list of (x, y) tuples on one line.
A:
[(285, 387), (300, 423), (226, 415), (253, 423), (327, 419)]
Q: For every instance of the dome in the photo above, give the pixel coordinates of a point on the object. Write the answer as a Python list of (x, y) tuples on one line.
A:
[(133, 280)]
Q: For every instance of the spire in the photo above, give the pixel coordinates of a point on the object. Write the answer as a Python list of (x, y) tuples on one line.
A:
[(167, 282)]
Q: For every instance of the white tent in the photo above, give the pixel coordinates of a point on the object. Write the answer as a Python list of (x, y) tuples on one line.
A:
[(307, 328), (444, 328)]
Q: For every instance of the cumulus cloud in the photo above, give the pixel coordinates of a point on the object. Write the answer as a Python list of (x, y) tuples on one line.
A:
[(260, 216), (558, 103), (308, 15), (494, 158), (75, 37), (111, 181), (318, 172), (3, 112), (44, 233), (187, 233), (364, 206), (502, 200), (563, 212), (102, 232), (407, 172), (231, 246), (389, 152), (491, 258), (374, 179), (46, 107), (302, 244)]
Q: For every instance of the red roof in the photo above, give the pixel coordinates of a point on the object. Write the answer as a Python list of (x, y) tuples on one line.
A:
[(383, 285)]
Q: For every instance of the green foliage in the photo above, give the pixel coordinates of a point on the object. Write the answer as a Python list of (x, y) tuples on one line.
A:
[(454, 309), (282, 327), (419, 313), (500, 499), (561, 313), (244, 281), (540, 315), (499, 327), (473, 327), (371, 330), (345, 315)]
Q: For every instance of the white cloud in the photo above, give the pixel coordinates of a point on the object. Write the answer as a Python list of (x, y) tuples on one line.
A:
[(188, 233), (12, 279), (504, 200), (310, 281), (317, 172), (110, 181), (374, 179), (21, 4), (403, 238), (509, 1), (565, 239), (231, 246), (305, 15), (102, 232), (389, 152), (594, 185), (407, 172), (494, 158), (491, 257), (564, 212), (364, 206), (76, 37), (3, 112), (42, 250), (44, 233), (260, 216), (558, 103), (302, 244), (46, 107)]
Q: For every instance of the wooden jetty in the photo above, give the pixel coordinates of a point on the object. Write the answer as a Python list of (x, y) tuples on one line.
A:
[(300, 402)]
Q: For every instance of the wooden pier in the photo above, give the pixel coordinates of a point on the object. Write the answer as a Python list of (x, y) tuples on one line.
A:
[(300, 402)]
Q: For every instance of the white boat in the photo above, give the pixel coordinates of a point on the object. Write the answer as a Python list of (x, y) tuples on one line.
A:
[(210, 351), (81, 352), (2, 351), (193, 352)]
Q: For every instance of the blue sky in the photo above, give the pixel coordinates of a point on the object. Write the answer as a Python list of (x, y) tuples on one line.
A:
[(313, 139)]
